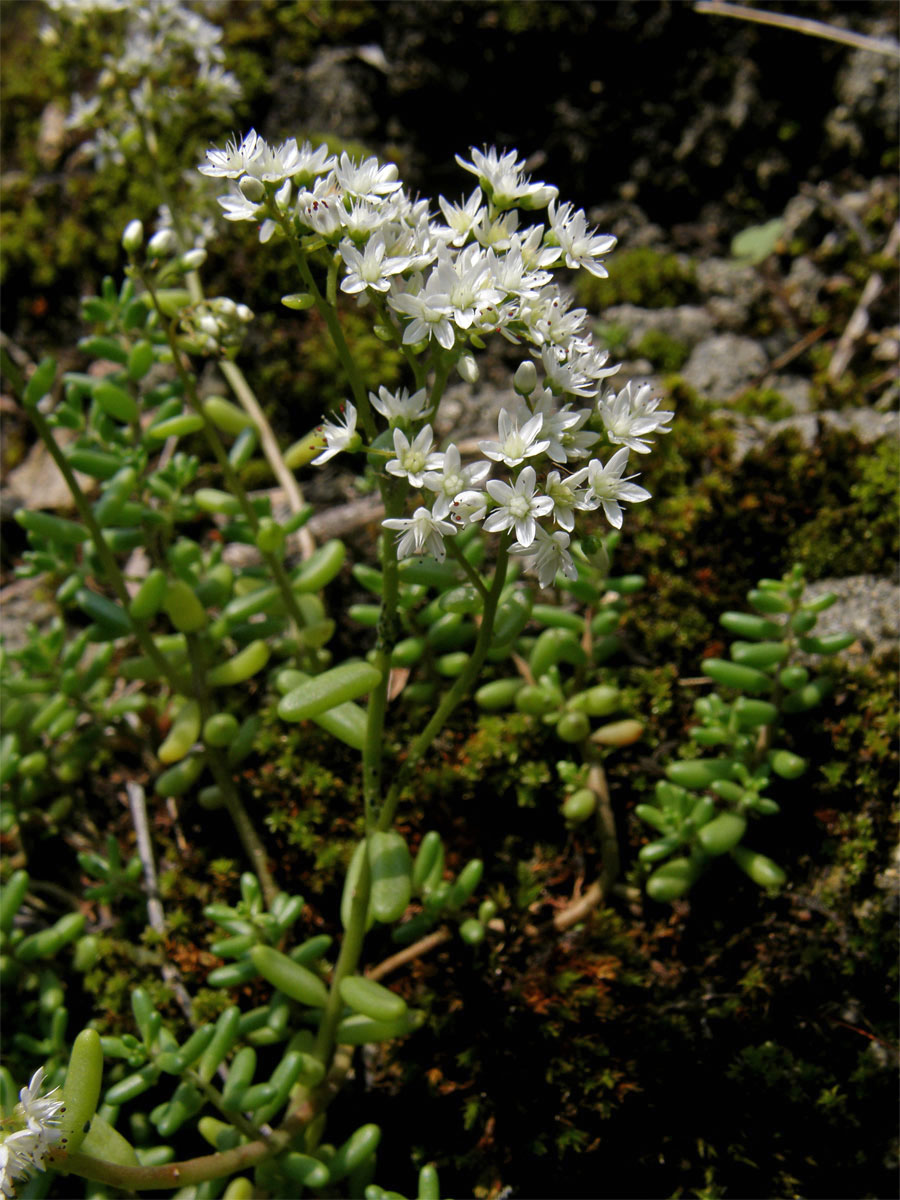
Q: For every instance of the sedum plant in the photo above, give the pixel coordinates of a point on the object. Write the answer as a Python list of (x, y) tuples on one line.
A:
[(180, 592), (703, 807)]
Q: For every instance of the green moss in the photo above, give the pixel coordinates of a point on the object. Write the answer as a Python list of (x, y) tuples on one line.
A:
[(664, 352), (763, 402), (648, 278)]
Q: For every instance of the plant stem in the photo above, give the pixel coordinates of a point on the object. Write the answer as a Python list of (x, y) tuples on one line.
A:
[(329, 315), (451, 698), (472, 575), (106, 556), (246, 830), (231, 476), (351, 949)]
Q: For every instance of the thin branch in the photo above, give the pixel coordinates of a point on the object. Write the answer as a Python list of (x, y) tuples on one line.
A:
[(423, 946), (859, 320), (860, 41), (138, 805), (270, 449)]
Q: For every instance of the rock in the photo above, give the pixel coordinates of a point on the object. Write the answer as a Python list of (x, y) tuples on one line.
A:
[(865, 423), (796, 390), (722, 365), (803, 285), (735, 281), (868, 607), (37, 482), (688, 323)]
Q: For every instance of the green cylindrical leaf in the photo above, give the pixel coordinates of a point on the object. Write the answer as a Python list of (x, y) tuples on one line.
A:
[(323, 692), (149, 597), (391, 873), (183, 734), (53, 528), (321, 567), (760, 869), (220, 729), (40, 383), (672, 880), (184, 610), (116, 402), (751, 714), (498, 694), (759, 654), (722, 834), (227, 416), (81, 1089), (240, 1077), (180, 778), (371, 999), (699, 773), (745, 679), (242, 666), (579, 806), (289, 977), (357, 1030), (466, 883), (358, 1147), (787, 765), (747, 625)]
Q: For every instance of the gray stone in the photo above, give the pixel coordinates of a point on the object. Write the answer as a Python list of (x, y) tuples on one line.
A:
[(688, 323), (796, 390), (867, 606), (725, 277), (722, 365)]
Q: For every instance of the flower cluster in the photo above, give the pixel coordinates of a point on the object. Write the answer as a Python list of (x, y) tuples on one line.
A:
[(36, 1121), (168, 62), (440, 287)]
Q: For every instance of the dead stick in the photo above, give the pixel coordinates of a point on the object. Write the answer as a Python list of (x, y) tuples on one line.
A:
[(719, 8)]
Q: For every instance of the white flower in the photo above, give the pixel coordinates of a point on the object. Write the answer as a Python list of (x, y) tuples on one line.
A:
[(27, 1148), (274, 164), (237, 207), (322, 208), (564, 374), (466, 282), (430, 311), (367, 180), (629, 419), (501, 177), (566, 497), (468, 506), (421, 533), (562, 427), (607, 487), (371, 269), (400, 406), (338, 435), (452, 479), (515, 444), (414, 458), (461, 219), (232, 162), (311, 163), (548, 555), (517, 507), (580, 247)]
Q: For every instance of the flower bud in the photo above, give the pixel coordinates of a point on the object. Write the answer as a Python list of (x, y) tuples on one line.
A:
[(252, 189), (525, 378), (243, 313), (161, 243), (133, 237), (193, 259), (468, 368)]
